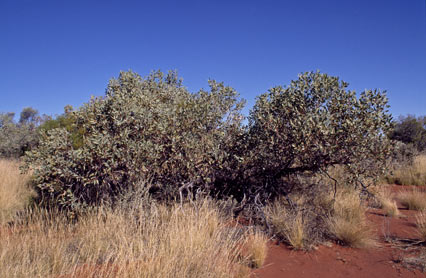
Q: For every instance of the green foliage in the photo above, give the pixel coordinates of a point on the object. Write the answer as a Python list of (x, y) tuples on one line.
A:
[(18, 137), (144, 128), (28, 115), (410, 130), (68, 121), (309, 126), (154, 129)]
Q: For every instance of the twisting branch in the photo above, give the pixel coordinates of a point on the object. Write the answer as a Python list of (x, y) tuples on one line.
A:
[(185, 186), (335, 182), (242, 205), (259, 207)]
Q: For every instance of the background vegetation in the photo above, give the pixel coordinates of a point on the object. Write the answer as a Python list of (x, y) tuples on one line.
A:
[(18, 137), (410, 130)]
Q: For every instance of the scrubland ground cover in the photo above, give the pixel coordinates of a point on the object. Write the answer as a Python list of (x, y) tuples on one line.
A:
[(414, 199), (412, 173), (140, 239), (386, 201), (349, 222), (412, 196), (15, 192), (147, 181)]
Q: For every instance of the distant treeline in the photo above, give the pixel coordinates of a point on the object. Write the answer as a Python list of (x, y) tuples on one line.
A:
[(410, 130)]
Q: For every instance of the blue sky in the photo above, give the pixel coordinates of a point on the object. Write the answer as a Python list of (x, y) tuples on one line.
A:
[(54, 53)]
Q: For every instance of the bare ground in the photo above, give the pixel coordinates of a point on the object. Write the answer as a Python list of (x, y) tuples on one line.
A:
[(398, 254)]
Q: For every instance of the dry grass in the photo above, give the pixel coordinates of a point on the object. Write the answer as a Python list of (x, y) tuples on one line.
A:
[(421, 225), (348, 223), (288, 226), (387, 202), (414, 174), (195, 240), (14, 192), (413, 199), (256, 249)]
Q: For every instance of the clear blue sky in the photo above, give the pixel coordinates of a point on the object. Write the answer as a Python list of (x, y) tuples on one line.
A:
[(54, 53)]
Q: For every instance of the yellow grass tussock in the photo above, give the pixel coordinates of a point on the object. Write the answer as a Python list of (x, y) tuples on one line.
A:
[(14, 191)]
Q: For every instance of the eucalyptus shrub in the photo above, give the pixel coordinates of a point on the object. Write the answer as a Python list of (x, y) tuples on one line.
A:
[(142, 129), (308, 127)]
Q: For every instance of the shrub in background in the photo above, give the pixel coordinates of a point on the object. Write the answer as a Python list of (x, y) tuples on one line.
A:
[(67, 121), (410, 130), (410, 172), (18, 137)]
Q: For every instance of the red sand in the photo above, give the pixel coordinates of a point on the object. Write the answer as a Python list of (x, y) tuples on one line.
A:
[(338, 261)]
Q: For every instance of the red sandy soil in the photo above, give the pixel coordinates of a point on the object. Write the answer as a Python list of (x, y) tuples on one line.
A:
[(338, 261)]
